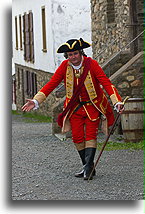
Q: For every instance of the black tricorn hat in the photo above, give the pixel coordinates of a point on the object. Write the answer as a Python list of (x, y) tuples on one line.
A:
[(73, 45)]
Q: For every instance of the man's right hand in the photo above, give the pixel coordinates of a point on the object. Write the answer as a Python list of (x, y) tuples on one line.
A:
[(28, 106)]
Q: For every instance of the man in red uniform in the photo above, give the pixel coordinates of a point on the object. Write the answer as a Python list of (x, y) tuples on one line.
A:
[(90, 106)]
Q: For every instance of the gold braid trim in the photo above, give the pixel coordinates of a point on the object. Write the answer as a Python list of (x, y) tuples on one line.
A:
[(114, 97), (89, 115), (40, 97), (85, 42), (70, 47), (90, 87), (69, 82), (103, 108)]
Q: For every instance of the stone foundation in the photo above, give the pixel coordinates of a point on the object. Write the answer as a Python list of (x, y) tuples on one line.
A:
[(42, 77)]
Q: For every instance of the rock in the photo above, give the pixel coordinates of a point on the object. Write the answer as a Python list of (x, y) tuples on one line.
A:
[(135, 83), (123, 85), (130, 78)]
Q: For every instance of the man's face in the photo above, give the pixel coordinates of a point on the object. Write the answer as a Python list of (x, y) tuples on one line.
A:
[(75, 57)]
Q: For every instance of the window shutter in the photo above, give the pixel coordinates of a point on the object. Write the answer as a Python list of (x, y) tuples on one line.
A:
[(44, 29), (20, 31), (18, 78), (29, 83), (26, 37), (16, 33), (26, 82), (31, 37), (34, 84)]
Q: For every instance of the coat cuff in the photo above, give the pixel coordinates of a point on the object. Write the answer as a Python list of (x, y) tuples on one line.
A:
[(40, 97), (36, 104), (114, 99)]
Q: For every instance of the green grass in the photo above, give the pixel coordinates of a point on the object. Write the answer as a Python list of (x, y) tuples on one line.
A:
[(16, 112), (122, 145), (33, 117)]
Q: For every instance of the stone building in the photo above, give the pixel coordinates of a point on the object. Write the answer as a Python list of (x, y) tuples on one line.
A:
[(117, 35), (116, 20), (38, 29)]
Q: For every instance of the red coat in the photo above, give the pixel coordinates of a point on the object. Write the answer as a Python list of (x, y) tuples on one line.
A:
[(90, 91)]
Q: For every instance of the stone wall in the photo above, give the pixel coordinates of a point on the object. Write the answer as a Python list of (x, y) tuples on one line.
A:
[(119, 21), (114, 24), (129, 79), (46, 108), (105, 32)]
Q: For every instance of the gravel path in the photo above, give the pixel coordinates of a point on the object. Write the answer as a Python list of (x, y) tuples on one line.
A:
[(43, 168)]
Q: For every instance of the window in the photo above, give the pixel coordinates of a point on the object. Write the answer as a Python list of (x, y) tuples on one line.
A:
[(34, 84), (110, 11), (18, 78), (20, 28), (28, 37), (43, 30), (31, 37), (16, 33), (14, 91), (31, 84)]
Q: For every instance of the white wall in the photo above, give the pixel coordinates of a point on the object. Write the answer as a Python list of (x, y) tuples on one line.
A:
[(64, 20), (71, 19), (43, 61)]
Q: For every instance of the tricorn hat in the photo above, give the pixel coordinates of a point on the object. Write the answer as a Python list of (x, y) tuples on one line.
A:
[(73, 45)]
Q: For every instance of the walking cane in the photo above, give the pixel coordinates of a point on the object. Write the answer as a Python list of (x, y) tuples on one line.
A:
[(110, 132)]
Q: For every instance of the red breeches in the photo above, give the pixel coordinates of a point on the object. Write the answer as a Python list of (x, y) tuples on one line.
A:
[(83, 129)]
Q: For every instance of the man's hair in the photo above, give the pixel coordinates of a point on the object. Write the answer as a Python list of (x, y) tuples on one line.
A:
[(80, 51)]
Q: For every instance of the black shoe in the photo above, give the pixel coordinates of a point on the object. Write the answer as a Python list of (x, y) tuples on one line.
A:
[(89, 158), (87, 174), (80, 174)]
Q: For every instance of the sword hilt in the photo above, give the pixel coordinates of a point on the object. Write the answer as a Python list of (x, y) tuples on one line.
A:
[(124, 101), (126, 98)]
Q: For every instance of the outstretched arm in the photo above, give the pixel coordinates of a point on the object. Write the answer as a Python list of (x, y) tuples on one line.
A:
[(46, 89)]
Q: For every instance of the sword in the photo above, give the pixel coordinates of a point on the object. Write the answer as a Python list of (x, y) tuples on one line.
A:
[(106, 141)]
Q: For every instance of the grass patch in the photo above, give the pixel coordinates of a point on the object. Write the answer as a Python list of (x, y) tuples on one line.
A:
[(33, 117), (122, 145), (16, 112)]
